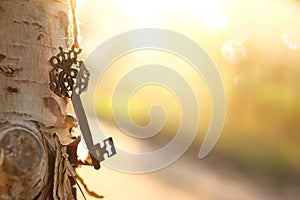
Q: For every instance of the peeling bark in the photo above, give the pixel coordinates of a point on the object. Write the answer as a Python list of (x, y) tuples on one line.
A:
[(34, 123)]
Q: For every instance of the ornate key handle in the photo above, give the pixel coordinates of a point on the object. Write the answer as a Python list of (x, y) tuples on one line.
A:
[(68, 78), (64, 76)]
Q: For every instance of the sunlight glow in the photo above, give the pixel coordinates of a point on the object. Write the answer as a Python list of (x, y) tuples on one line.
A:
[(233, 52), (291, 36), (79, 3), (215, 23), (145, 13)]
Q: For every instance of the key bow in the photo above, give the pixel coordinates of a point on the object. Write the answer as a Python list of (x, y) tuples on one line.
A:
[(68, 75)]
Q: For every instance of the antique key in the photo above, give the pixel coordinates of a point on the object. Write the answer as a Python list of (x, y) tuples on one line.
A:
[(69, 78)]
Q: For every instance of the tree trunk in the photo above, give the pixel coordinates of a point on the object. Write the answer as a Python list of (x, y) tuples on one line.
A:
[(33, 121)]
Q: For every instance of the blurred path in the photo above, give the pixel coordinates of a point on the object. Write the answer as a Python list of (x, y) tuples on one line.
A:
[(186, 179)]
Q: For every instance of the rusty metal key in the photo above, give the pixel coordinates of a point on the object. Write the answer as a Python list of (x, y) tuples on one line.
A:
[(68, 79)]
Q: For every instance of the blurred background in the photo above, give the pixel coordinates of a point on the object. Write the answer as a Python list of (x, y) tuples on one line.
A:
[(256, 48)]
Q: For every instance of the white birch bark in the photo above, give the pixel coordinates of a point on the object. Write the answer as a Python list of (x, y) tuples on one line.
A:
[(33, 162)]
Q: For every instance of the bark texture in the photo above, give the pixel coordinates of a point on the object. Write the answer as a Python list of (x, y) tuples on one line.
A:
[(34, 122)]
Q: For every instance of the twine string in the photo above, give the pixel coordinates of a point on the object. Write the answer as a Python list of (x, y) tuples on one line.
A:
[(74, 20)]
